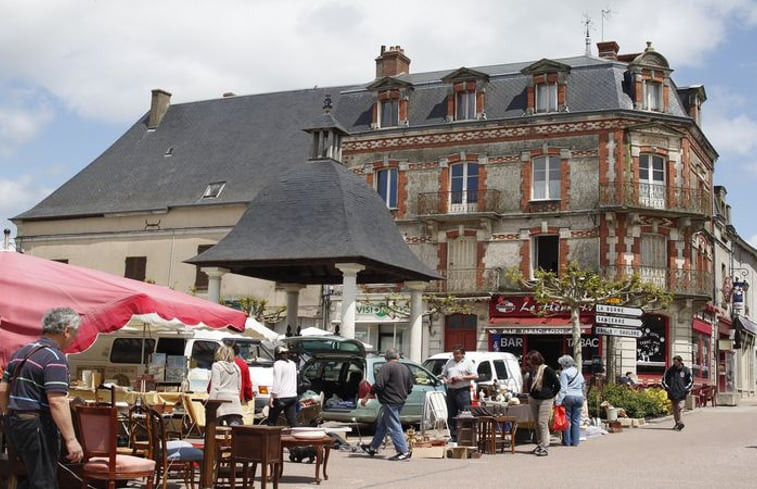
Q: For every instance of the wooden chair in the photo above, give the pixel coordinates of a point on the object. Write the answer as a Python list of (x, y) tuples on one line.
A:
[(98, 429), (696, 395), (256, 445), (194, 410), (170, 454), (708, 394)]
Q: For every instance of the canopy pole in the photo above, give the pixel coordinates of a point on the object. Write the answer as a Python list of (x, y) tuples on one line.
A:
[(349, 292)]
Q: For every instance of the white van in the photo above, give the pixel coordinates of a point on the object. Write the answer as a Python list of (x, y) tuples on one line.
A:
[(123, 355), (493, 367)]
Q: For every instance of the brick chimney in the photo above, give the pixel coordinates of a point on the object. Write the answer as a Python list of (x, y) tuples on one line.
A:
[(392, 62), (158, 107), (608, 49)]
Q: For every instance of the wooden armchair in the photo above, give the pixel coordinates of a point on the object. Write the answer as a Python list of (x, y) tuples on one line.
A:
[(256, 445), (708, 394), (194, 410), (98, 429)]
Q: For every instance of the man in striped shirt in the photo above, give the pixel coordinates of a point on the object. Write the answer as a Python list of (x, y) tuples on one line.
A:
[(33, 399)]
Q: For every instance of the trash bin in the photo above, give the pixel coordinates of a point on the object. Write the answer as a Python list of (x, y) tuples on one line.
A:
[(612, 414)]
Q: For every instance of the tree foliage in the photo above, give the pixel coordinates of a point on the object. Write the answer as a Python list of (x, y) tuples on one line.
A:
[(576, 287), (258, 309)]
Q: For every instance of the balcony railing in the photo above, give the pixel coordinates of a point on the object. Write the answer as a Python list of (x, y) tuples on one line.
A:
[(650, 196), (459, 202), (468, 280), (678, 282)]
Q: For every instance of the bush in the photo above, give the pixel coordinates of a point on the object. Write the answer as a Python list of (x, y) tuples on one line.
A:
[(642, 403)]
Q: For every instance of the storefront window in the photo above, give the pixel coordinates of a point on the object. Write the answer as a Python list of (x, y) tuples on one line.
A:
[(650, 348), (700, 349)]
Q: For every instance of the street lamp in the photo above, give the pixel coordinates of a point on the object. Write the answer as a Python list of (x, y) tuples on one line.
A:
[(740, 287)]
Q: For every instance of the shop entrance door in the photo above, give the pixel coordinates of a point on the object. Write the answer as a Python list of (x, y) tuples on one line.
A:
[(550, 346)]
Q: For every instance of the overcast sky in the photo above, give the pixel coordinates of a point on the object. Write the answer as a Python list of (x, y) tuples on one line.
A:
[(74, 75)]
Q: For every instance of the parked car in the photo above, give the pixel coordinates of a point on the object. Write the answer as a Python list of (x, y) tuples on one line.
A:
[(342, 370), (493, 368), (124, 354)]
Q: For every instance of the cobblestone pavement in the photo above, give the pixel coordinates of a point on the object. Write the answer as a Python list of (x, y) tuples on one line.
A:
[(718, 448)]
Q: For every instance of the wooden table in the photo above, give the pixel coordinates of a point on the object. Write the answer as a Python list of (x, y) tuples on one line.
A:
[(322, 451), (491, 426)]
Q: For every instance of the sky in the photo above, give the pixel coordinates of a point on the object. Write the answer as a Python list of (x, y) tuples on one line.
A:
[(76, 74)]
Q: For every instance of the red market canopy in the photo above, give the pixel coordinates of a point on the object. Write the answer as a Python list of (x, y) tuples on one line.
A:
[(30, 286)]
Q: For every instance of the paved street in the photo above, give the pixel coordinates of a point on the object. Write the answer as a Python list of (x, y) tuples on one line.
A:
[(718, 448)]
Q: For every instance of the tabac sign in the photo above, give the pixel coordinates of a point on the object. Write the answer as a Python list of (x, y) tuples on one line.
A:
[(502, 306)]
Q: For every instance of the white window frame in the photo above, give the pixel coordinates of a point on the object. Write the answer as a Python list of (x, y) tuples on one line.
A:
[(651, 95), (392, 183), (545, 97), (465, 199), (395, 104), (546, 183), (465, 105), (653, 257), (652, 188)]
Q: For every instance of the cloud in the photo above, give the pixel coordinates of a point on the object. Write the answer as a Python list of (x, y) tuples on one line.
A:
[(115, 52), (22, 118), (20, 194)]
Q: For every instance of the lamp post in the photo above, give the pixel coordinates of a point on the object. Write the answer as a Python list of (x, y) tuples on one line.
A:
[(740, 287)]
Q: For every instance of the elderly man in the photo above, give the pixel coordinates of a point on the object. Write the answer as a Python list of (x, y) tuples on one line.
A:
[(33, 399), (394, 382), (457, 373)]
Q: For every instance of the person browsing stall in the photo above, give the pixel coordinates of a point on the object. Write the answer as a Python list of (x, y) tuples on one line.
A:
[(283, 388), (542, 385), (226, 384), (34, 403), (457, 373), (571, 396)]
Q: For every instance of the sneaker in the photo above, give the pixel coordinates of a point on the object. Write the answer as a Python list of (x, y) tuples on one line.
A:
[(538, 448), (402, 456), (680, 426), (368, 449), (541, 452)]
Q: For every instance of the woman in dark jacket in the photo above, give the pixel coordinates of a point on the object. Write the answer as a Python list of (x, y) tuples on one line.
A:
[(542, 385)]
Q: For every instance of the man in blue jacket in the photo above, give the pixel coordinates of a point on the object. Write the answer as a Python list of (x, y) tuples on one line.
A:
[(677, 382)]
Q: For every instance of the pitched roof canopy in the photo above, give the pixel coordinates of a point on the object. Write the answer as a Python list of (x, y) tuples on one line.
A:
[(298, 228)]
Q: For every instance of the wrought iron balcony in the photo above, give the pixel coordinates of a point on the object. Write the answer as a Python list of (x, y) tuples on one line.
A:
[(459, 202), (468, 280), (679, 282), (681, 200)]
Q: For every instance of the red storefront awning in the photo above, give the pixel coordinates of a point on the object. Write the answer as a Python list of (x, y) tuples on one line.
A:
[(701, 326), (536, 325)]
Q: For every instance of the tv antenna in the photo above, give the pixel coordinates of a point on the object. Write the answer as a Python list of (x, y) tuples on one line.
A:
[(606, 13)]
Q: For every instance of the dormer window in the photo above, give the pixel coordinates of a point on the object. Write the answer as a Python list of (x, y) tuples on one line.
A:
[(465, 99), (389, 113), (465, 106), (547, 87), (213, 190), (652, 95), (390, 106), (546, 97)]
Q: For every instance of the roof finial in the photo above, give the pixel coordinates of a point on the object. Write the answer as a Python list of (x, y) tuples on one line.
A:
[(587, 22), (327, 104), (649, 46)]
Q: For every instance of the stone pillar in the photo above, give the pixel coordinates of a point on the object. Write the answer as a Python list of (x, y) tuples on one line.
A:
[(214, 282), (349, 292), (293, 303), (415, 351)]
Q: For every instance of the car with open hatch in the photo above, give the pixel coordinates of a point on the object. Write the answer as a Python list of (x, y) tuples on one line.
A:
[(343, 371)]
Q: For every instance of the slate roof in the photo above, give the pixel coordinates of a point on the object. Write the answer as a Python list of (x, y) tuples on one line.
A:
[(247, 140), (298, 227)]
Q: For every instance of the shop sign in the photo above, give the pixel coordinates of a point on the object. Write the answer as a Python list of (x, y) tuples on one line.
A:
[(502, 306), (380, 312)]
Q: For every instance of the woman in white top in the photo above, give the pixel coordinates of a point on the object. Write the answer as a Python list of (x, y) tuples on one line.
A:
[(283, 388), (225, 384)]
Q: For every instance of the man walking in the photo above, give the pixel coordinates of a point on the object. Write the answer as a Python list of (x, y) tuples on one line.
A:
[(33, 399), (394, 381), (677, 382), (457, 374)]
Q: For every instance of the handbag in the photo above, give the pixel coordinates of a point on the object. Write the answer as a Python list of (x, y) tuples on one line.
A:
[(559, 421)]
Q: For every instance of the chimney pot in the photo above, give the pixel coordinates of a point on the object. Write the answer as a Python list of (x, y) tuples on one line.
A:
[(608, 49), (159, 104)]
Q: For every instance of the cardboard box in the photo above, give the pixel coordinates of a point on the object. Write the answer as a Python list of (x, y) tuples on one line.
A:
[(430, 452)]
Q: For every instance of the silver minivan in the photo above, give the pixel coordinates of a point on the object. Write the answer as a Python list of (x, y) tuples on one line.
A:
[(493, 367)]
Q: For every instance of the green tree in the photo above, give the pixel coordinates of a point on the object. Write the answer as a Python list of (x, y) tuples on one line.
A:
[(257, 309), (576, 288)]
